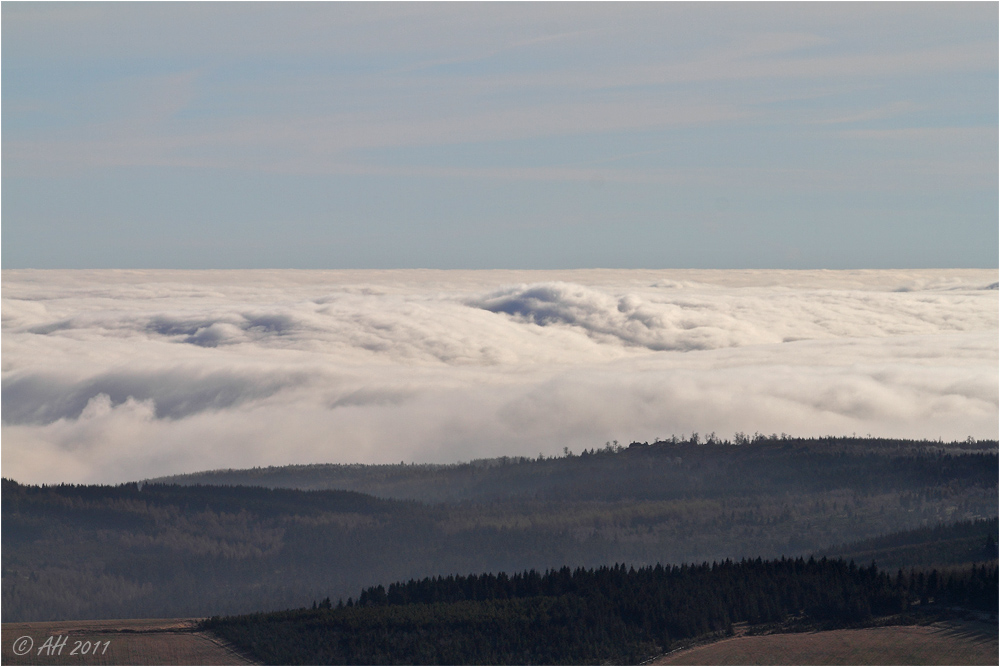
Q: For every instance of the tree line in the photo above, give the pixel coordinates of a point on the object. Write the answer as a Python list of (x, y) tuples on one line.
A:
[(163, 550), (612, 614), (779, 462)]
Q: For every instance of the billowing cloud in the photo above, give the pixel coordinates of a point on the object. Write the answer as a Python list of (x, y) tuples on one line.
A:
[(173, 393), (628, 318), (109, 375)]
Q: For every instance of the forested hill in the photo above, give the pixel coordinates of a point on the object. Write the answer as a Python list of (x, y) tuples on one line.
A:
[(946, 545), (671, 468), (608, 615), (156, 550)]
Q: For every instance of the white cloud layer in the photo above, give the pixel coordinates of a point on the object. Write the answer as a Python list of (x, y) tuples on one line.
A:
[(117, 375)]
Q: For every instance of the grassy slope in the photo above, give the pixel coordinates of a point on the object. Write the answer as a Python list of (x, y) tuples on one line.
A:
[(171, 642), (132, 642), (952, 643)]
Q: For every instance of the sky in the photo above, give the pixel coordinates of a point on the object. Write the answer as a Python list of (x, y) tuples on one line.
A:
[(112, 376), (499, 136)]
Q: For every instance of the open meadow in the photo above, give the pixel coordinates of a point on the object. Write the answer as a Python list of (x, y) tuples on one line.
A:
[(175, 642), (115, 642), (945, 643)]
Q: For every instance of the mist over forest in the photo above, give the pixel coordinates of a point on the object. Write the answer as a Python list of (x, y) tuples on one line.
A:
[(223, 543)]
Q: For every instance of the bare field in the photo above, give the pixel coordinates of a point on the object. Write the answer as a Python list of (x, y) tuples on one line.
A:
[(170, 641), (951, 643)]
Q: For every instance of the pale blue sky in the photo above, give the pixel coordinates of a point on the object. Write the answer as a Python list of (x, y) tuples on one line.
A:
[(716, 135)]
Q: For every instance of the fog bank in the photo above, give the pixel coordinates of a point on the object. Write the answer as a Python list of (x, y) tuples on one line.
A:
[(116, 375)]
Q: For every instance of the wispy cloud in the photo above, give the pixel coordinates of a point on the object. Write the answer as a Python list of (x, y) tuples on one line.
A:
[(325, 144), (498, 116), (483, 84)]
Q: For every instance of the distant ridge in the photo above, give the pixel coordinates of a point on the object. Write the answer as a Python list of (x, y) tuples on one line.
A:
[(156, 550), (511, 476)]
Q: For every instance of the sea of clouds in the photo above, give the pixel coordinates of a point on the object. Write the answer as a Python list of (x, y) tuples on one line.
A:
[(111, 376)]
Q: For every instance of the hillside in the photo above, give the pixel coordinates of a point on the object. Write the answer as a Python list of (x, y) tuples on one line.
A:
[(961, 543), (637, 471), (942, 643), (175, 641), (160, 550), (614, 615)]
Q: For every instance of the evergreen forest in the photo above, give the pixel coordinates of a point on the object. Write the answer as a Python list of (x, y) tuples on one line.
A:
[(606, 615), (234, 542)]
